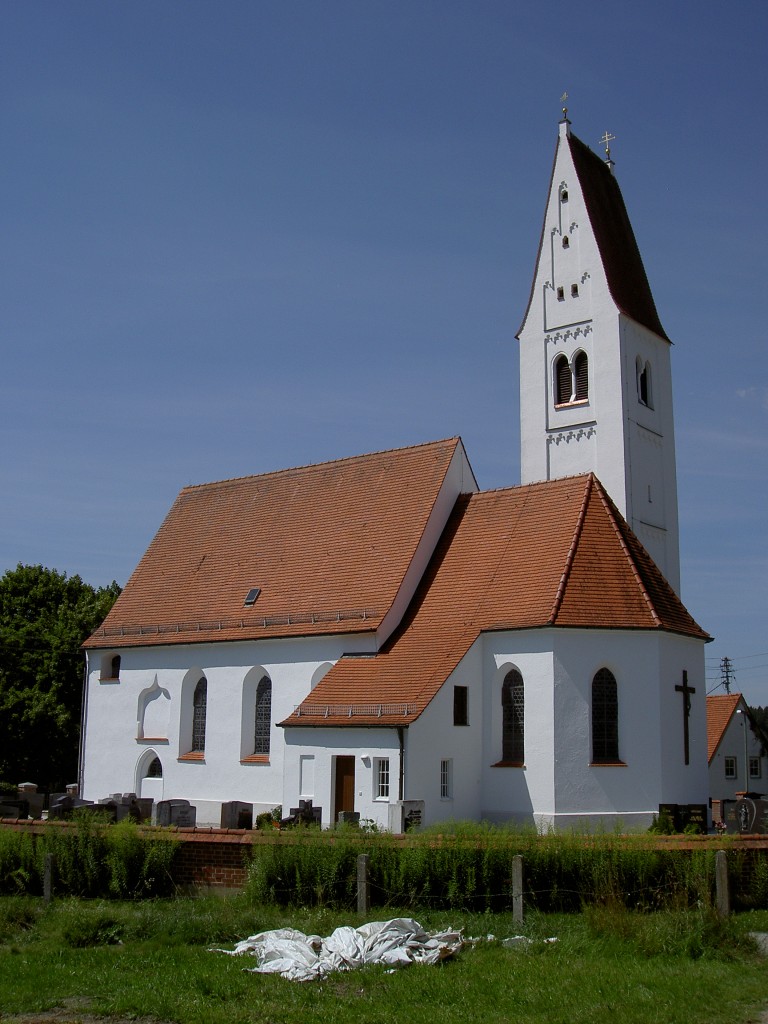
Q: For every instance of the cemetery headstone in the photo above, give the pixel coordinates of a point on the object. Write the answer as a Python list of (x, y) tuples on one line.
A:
[(181, 813), (236, 814)]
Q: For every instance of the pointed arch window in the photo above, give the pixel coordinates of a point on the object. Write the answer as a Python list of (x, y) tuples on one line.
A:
[(263, 716), (513, 718), (199, 711), (155, 769), (563, 381), (644, 383), (605, 718), (581, 377)]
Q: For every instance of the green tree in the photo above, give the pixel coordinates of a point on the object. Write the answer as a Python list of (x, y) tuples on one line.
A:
[(45, 617)]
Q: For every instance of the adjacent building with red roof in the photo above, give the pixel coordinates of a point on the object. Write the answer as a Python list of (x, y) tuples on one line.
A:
[(379, 636)]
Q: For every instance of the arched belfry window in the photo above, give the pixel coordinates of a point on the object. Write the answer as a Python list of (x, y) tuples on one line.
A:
[(199, 709), (644, 383), (563, 381), (513, 718), (581, 377), (263, 716), (605, 718)]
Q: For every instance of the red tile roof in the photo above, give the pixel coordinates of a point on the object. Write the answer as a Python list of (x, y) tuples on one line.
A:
[(329, 546), (554, 554), (720, 710)]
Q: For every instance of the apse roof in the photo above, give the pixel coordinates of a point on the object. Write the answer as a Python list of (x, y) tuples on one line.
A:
[(554, 554)]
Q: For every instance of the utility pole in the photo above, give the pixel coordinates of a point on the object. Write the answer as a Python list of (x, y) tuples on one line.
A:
[(727, 675)]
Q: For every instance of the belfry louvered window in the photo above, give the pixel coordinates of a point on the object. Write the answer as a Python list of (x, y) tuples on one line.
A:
[(513, 718), (563, 381), (605, 718), (199, 709), (263, 716), (581, 377)]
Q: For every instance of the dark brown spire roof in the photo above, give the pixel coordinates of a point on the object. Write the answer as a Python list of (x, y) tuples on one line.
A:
[(616, 242)]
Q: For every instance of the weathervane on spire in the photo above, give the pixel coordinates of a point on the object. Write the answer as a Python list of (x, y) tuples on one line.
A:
[(563, 100), (606, 140)]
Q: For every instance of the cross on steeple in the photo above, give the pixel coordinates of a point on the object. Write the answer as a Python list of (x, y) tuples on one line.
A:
[(606, 140), (686, 691)]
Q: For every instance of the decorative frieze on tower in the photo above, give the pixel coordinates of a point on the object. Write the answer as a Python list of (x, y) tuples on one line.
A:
[(595, 374)]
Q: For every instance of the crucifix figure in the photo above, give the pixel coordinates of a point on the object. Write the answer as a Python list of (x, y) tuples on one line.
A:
[(686, 691)]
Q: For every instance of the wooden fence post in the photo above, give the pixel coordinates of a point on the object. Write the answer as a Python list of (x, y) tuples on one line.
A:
[(363, 885), (517, 889), (722, 888)]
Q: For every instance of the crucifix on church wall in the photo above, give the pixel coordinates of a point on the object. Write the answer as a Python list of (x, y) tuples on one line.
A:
[(686, 691)]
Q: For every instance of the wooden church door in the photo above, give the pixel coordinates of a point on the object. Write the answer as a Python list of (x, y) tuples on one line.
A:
[(344, 794)]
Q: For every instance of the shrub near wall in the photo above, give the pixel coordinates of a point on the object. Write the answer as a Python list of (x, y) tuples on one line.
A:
[(472, 870), (90, 859)]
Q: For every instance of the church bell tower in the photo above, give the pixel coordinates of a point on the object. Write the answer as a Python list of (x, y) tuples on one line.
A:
[(595, 374)]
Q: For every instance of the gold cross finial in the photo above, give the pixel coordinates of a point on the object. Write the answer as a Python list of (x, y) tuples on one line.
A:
[(606, 140), (563, 100)]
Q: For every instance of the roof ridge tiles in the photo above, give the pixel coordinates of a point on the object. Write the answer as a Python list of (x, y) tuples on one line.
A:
[(456, 439), (572, 550), (612, 516)]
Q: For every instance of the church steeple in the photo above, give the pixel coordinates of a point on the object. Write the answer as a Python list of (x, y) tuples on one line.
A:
[(595, 375)]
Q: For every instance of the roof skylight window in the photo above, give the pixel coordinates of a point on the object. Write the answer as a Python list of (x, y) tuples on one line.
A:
[(250, 597)]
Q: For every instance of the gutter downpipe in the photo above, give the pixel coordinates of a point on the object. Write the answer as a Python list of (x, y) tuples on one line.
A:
[(83, 719), (401, 780)]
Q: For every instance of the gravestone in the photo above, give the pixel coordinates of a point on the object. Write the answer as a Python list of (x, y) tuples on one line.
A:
[(305, 814), (63, 806), (682, 815), (13, 807), (181, 813), (36, 801), (752, 815), (236, 814)]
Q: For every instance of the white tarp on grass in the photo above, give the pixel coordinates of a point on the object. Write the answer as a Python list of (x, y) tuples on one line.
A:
[(299, 957)]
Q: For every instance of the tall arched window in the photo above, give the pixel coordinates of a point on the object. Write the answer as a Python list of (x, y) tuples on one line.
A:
[(605, 718), (581, 377), (263, 716), (644, 384), (199, 708), (513, 718), (563, 381)]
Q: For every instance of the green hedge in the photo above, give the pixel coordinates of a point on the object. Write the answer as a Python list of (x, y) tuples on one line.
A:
[(471, 869), (90, 859)]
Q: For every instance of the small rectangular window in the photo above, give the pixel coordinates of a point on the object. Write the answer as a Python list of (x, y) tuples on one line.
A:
[(381, 782), (754, 768), (730, 767), (445, 780), (460, 705)]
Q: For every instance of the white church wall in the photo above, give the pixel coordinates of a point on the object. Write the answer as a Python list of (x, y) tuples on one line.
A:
[(114, 732), (646, 667), (434, 738), (309, 764), (521, 794), (651, 464)]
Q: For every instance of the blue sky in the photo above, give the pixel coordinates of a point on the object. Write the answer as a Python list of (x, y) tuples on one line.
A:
[(240, 236)]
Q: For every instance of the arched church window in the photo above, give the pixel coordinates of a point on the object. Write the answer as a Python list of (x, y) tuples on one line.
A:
[(566, 241), (155, 769), (513, 718), (644, 383), (563, 381), (199, 710), (605, 718), (564, 195), (263, 716), (581, 377)]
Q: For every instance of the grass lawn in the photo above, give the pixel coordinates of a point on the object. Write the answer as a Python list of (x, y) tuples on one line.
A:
[(151, 959)]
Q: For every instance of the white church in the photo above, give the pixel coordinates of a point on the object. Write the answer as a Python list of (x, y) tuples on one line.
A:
[(379, 636)]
